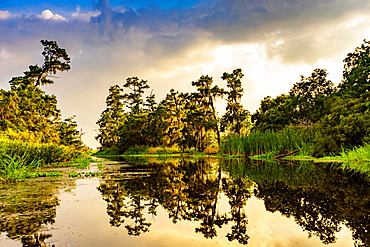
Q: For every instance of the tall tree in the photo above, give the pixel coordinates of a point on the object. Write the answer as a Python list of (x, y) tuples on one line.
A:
[(131, 132), (28, 109), (55, 59), (235, 113), (111, 118), (205, 97), (134, 99)]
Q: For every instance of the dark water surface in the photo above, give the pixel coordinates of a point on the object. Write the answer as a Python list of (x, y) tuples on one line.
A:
[(182, 202)]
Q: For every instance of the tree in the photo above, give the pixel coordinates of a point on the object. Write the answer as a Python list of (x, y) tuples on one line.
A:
[(204, 111), (132, 131), (356, 74), (174, 106), (274, 114), (68, 133), (235, 114), (55, 59), (134, 100), (111, 118), (25, 108), (346, 125), (303, 106), (309, 96)]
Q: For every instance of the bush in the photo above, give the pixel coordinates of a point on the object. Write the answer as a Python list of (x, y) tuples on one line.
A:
[(136, 150)]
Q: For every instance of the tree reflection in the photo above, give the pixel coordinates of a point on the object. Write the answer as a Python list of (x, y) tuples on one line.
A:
[(25, 208), (126, 201), (320, 197), (187, 190), (238, 191)]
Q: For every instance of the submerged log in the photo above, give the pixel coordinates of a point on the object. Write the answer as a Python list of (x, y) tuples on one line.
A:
[(286, 154)]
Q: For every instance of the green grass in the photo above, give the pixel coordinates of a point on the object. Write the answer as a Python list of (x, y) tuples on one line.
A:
[(15, 168), (357, 154), (19, 158), (269, 144)]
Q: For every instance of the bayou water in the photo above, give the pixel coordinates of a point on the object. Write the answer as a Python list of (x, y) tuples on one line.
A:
[(187, 202)]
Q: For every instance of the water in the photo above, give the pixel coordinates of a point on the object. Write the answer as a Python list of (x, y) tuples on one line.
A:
[(190, 203)]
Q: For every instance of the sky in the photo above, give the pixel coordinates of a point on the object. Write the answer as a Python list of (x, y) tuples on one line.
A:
[(172, 43)]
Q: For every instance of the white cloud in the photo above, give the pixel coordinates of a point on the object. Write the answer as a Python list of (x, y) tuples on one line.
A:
[(273, 44), (84, 16), (48, 15), (4, 54), (4, 14)]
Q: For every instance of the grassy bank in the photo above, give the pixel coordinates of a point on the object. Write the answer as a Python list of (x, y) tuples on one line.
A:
[(18, 158), (268, 144)]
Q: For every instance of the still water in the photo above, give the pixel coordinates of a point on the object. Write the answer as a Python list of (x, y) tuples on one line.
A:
[(184, 202)]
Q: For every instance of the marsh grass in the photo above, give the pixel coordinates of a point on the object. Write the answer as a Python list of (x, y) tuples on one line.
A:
[(18, 158), (357, 154), (15, 168), (268, 144), (48, 152)]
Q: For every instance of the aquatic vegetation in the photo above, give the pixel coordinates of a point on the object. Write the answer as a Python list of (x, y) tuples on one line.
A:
[(271, 143), (15, 168), (48, 152), (85, 174), (18, 158), (357, 154), (43, 174)]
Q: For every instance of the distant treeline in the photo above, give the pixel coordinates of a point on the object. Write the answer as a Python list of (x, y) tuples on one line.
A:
[(185, 120), (334, 117)]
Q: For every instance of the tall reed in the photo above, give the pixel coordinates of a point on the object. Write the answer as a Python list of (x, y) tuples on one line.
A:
[(17, 158), (272, 143), (48, 152), (15, 168)]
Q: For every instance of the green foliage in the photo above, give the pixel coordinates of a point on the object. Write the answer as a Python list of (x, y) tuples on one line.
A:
[(347, 125), (136, 150), (111, 118), (16, 168), (85, 174), (274, 114), (235, 114), (48, 153), (361, 154), (25, 108), (309, 96), (356, 74), (304, 105), (43, 174), (269, 142)]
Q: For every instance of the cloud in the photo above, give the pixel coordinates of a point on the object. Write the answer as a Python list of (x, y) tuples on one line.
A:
[(4, 54), (273, 41), (85, 16), (48, 15), (4, 14)]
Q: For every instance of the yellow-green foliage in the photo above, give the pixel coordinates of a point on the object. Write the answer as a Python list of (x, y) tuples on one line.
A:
[(48, 153), (275, 143), (26, 136)]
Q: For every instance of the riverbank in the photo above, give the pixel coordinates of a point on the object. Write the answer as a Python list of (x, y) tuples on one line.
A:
[(20, 160)]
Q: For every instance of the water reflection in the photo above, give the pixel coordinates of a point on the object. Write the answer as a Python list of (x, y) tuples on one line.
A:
[(187, 190), (25, 208), (321, 198), (213, 194)]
